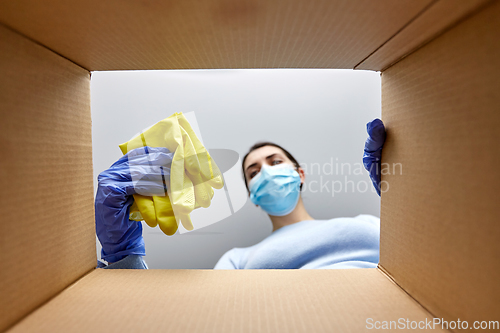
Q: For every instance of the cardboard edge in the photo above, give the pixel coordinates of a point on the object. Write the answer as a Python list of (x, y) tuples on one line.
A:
[(7, 329), (452, 284), (98, 271), (6, 26), (363, 66), (42, 54), (419, 14), (388, 275), (442, 32)]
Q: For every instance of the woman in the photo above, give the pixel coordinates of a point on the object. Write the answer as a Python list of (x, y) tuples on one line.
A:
[(274, 180)]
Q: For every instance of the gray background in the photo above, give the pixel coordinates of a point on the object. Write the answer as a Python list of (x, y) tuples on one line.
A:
[(319, 115)]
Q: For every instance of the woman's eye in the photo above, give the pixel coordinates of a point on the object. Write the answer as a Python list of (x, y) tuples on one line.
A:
[(276, 162), (253, 174)]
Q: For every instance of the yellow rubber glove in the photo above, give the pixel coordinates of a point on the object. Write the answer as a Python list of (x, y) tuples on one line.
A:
[(208, 175), (191, 163), (158, 210), (202, 173)]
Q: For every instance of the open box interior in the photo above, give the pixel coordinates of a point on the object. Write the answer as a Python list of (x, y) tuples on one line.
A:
[(439, 244)]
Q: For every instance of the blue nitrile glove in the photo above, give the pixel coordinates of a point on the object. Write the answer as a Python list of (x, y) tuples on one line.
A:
[(373, 150), (141, 171)]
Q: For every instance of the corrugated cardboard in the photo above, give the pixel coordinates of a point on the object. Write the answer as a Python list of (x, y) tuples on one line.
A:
[(47, 230), (439, 245), (225, 301), (187, 34), (434, 20), (440, 226)]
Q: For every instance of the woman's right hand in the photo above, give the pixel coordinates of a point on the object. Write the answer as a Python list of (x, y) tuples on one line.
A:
[(141, 171)]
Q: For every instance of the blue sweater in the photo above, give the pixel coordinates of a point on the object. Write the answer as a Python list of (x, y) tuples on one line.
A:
[(336, 243)]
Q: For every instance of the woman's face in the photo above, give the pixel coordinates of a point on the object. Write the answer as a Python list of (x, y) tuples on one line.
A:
[(269, 155)]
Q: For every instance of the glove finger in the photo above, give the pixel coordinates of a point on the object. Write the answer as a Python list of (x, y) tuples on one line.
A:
[(375, 128), (135, 213), (187, 127), (178, 186), (187, 202), (165, 215), (181, 191), (191, 162), (168, 225), (372, 165), (201, 190), (376, 135), (147, 209), (186, 222), (216, 180), (198, 146), (209, 170)]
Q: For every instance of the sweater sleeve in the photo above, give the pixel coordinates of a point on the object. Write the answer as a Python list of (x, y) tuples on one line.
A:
[(229, 260), (132, 261)]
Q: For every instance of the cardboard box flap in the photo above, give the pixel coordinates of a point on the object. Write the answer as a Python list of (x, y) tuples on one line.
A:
[(439, 220), (190, 34), (225, 301), (433, 21), (46, 202)]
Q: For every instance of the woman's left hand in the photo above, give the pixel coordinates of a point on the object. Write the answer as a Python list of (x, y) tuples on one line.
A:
[(373, 151)]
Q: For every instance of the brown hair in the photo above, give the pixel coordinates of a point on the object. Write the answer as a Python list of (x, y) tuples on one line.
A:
[(260, 145)]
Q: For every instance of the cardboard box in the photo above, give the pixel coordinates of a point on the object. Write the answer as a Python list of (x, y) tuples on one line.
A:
[(439, 62)]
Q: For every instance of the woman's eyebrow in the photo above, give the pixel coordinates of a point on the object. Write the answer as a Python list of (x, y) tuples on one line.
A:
[(268, 157), (251, 165), (271, 156)]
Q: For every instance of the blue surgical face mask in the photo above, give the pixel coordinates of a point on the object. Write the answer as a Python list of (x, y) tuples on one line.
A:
[(276, 189)]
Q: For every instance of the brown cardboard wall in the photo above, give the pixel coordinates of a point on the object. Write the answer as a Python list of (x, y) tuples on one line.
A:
[(265, 300), (46, 203), (436, 18), (190, 34), (440, 221)]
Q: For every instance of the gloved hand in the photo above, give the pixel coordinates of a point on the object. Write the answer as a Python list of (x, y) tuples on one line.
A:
[(193, 175), (141, 171), (373, 151)]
